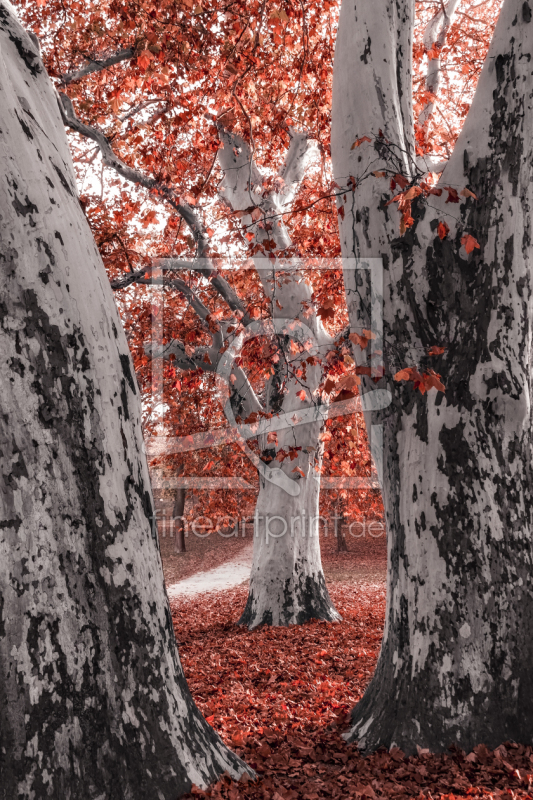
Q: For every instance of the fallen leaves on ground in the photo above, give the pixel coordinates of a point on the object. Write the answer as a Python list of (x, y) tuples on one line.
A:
[(280, 698)]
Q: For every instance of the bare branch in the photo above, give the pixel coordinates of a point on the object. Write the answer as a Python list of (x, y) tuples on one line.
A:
[(205, 267), (202, 264), (128, 173), (243, 398), (97, 65), (139, 107)]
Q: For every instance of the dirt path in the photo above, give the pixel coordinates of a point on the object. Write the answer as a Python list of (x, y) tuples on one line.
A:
[(227, 576)]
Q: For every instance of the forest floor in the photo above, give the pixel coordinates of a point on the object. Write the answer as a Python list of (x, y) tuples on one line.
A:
[(280, 697)]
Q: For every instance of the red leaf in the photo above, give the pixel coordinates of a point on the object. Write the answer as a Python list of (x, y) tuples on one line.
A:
[(401, 181), (469, 243), (453, 197), (340, 212), (403, 375), (443, 230), (436, 350), (362, 341), (360, 141)]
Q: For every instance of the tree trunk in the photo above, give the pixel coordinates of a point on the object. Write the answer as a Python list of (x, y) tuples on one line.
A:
[(179, 524), (93, 701), (287, 585), (457, 653), (342, 547)]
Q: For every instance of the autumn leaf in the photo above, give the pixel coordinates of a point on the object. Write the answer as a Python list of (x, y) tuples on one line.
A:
[(379, 173), (299, 471), (436, 350), (467, 193), (443, 230), (359, 142), (403, 375), (453, 197), (413, 192), (432, 381), (340, 212), (144, 58), (349, 382), (326, 313), (363, 340), (301, 394), (469, 242), (401, 180)]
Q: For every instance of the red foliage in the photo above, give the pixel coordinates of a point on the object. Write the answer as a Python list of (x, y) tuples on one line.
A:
[(280, 696)]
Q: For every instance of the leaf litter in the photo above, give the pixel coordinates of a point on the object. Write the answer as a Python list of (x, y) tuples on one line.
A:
[(281, 697)]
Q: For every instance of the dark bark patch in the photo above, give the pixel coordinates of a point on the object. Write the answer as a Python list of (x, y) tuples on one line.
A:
[(23, 209), (63, 180), (30, 58), (366, 51), (125, 361), (11, 523), (24, 127)]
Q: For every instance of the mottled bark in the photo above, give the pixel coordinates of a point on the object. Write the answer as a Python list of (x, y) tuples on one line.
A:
[(457, 653), (287, 585), (93, 701)]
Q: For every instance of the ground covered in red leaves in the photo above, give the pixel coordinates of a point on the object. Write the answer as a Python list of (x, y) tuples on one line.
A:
[(280, 697)]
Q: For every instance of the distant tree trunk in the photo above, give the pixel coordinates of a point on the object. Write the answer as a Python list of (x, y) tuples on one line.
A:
[(456, 663), (179, 523), (340, 521), (93, 701), (287, 585)]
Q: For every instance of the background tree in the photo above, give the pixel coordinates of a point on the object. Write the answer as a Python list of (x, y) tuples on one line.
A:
[(93, 701), (455, 663)]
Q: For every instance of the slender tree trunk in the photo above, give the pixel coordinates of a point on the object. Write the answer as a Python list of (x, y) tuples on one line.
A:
[(342, 547), (179, 523), (287, 585), (457, 653), (93, 701)]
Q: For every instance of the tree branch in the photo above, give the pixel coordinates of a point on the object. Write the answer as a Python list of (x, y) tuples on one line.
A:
[(128, 173), (205, 267), (97, 65), (202, 264)]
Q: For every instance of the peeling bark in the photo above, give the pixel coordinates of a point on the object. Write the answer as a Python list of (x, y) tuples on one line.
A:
[(93, 701), (457, 653)]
